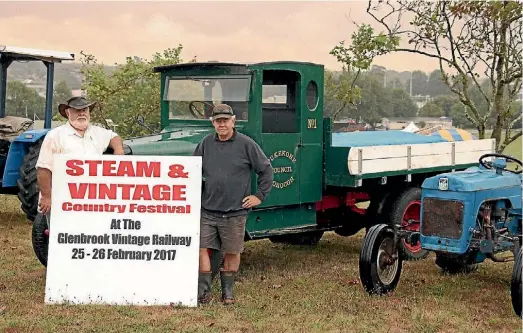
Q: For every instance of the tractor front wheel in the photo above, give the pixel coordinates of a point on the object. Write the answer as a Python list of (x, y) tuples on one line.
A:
[(380, 266), (40, 238), (28, 183), (406, 211), (515, 284)]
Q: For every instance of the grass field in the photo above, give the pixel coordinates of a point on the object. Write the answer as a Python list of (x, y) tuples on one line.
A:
[(280, 289), (514, 149)]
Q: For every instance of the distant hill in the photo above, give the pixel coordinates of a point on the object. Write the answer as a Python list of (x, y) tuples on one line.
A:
[(36, 72)]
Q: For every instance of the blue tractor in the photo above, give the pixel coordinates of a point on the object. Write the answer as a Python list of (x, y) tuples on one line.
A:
[(466, 217), (19, 141)]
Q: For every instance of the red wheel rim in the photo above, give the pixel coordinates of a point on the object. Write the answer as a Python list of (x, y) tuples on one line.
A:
[(412, 212)]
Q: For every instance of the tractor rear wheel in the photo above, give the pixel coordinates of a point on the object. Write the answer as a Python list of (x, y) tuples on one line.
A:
[(379, 270), (28, 184), (455, 264), (515, 284), (406, 211), (40, 238)]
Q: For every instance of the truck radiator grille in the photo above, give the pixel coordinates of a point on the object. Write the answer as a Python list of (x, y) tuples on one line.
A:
[(442, 218)]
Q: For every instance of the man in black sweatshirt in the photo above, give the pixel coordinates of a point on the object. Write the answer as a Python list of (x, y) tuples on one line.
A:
[(228, 158)]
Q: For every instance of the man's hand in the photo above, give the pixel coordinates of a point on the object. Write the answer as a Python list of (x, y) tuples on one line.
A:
[(45, 204), (250, 201), (117, 145)]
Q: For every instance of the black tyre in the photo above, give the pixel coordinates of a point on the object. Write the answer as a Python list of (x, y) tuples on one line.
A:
[(456, 264), (406, 211), (27, 183), (378, 273), (515, 284), (306, 238), (40, 238)]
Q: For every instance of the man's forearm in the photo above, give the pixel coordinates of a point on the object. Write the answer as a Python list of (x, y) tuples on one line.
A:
[(116, 144), (265, 179), (44, 181)]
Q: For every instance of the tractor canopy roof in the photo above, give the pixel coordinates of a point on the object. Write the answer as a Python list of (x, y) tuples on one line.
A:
[(15, 53), (237, 67)]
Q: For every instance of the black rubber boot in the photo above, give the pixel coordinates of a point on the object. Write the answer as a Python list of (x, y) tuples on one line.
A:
[(227, 282), (204, 287)]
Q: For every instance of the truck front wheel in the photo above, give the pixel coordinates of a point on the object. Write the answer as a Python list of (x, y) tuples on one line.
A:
[(406, 211), (379, 265), (305, 238)]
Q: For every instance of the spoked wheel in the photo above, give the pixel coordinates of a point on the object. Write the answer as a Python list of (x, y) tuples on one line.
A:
[(515, 284), (407, 212), (40, 238), (380, 265)]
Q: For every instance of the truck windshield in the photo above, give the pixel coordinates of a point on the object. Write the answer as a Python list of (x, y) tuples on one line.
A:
[(194, 97)]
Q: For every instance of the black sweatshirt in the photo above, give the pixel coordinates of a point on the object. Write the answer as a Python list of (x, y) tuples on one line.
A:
[(227, 167)]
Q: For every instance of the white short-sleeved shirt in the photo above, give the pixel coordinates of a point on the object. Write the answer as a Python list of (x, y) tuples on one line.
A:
[(64, 139)]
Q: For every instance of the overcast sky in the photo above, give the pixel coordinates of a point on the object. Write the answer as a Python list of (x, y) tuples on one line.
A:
[(223, 31)]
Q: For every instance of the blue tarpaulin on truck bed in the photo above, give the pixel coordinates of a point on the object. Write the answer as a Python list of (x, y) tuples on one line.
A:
[(382, 138)]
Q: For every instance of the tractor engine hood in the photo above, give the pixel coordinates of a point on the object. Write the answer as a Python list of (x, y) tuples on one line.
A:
[(471, 180), (174, 141)]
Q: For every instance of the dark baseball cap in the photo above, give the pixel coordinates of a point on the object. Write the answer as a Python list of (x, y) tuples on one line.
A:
[(222, 111)]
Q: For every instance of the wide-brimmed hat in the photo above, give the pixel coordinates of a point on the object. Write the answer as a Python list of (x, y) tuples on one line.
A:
[(222, 111), (75, 102)]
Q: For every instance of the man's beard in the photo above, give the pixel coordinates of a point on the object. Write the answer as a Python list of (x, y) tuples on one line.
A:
[(80, 124)]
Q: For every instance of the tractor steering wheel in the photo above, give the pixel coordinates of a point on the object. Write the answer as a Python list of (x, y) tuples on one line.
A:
[(196, 113), (488, 165)]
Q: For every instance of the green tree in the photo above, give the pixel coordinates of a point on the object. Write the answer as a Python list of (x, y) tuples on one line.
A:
[(446, 102), (431, 109), (131, 89), (464, 37), (61, 93), (402, 104), (22, 101)]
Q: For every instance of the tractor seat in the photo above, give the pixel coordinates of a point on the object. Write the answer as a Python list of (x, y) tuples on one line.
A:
[(11, 127)]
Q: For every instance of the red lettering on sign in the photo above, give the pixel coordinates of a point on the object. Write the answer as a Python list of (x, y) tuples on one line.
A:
[(176, 171), (74, 168), (115, 168), (127, 192)]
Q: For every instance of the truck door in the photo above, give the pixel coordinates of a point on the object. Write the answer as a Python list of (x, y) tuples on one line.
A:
[(281, 137)]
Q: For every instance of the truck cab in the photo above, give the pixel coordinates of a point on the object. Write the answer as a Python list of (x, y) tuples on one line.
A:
[(278, 104)]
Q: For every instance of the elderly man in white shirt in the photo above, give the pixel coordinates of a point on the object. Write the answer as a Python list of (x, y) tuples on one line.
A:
[(78, 136)]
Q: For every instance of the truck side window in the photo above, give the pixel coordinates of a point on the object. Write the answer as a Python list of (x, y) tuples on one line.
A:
[(279, 113)]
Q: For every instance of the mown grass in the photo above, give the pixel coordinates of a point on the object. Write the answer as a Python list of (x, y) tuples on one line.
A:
[(280, 289)]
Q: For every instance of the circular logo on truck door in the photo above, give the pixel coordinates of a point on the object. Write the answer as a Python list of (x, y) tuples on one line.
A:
[(283, 163)]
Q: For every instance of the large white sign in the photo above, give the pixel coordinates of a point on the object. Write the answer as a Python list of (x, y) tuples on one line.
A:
[(124, 230)]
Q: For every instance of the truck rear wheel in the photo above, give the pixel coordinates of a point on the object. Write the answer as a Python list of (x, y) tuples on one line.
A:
[(28, 184), (379, 271), (406, 211), (40, 238), (515, 284)]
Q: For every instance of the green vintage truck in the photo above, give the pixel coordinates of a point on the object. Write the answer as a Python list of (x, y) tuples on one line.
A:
[(321, 178)]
